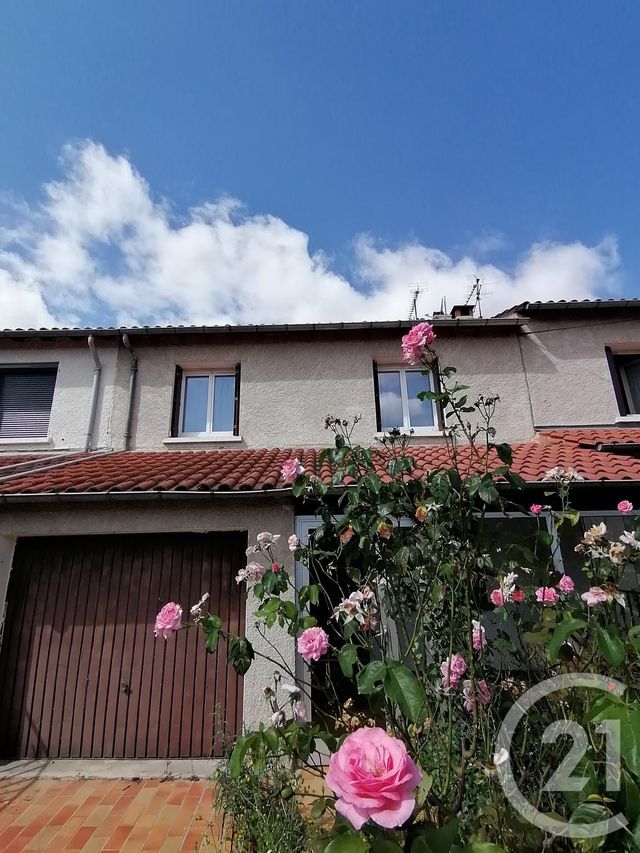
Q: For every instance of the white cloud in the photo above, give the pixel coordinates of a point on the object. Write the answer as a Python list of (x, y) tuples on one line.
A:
[(100, 249)]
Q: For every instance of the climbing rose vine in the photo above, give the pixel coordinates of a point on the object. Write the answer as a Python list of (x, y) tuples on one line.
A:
[(418, 631)]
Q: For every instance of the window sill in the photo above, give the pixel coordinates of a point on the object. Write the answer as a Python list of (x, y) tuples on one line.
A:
[(628, 419), (23, 442), (202, 439), (418, 432)]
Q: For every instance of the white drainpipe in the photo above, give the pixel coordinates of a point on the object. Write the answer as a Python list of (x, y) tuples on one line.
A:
[(97, 370), (133, 372)]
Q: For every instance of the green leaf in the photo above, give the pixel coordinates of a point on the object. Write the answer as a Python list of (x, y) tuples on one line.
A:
[(349, 842), (437, 839), (318, 808), (561, 634), (505, 453), (240, 654), (483, 847), (402, 687), (487, 492), (347, 657), (629, 797), (383, 845), (629, 718), (590, 812), (371, 675), (242, 746), (610, 645), (270, 737)]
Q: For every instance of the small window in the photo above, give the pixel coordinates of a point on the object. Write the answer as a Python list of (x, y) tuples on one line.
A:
[(398, 404), (625, 374), (208, 403), (26, 395)]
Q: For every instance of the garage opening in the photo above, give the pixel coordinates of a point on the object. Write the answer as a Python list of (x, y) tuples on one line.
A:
[(81, 674)]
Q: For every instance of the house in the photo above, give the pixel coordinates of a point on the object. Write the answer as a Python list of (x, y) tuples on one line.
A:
[(136, 464)]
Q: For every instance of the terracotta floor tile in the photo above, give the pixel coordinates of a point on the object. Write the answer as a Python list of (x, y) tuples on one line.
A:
[(80, 838)]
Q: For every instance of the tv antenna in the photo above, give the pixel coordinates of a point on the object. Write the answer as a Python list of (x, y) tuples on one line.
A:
[(475, 294), (417, 288)]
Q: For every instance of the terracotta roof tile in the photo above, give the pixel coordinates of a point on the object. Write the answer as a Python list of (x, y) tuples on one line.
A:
[(259, 470)]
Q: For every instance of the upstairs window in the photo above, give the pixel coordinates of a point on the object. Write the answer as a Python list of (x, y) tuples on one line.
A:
[(397, 403), (206, 403), (625, 374), (26, 395)]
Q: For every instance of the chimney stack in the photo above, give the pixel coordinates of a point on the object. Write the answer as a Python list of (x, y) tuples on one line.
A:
[(459, 311)]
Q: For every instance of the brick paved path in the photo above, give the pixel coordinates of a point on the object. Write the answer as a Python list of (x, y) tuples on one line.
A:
[(103, 815)]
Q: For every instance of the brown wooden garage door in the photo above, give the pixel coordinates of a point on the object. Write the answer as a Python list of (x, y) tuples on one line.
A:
[(81, 674)]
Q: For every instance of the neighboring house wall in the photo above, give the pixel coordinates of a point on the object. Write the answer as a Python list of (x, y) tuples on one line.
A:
[(72, 396), (567, 371), (224, 513)]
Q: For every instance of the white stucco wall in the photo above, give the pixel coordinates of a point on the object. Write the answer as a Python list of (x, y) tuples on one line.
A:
[(226, 513), (567, 369)]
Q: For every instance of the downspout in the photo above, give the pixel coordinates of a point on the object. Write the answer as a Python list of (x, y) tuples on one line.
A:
[(133, 372), (97, 370)]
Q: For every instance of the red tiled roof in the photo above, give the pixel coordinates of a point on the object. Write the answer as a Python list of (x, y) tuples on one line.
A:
[(259, 470)]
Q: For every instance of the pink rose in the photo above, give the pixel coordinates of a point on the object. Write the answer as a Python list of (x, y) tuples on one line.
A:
[(374, 779), (293, 542), (346, 535), (497, 597), (536, 509), (546, 595), (416, 341), (253, 572), (625, 507), (483, 691), (275, 568), (478, 637), (168, 621), (452, 671), (595, 595), (300, 714), (291, 470), (565, 584), (517, 595), (313, 643)]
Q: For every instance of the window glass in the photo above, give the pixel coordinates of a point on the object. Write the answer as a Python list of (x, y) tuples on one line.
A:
[(196, 395), (390, 399), (632, 375), (420, 411), (223, 403)]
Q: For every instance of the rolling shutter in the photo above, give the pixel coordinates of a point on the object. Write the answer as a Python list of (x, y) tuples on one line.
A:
[(25, 402)]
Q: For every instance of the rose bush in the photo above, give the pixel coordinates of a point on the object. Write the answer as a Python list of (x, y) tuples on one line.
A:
[(419, 634)]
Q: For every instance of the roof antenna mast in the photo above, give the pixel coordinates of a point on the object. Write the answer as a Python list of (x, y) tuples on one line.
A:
[(475, 294), (416, 288)]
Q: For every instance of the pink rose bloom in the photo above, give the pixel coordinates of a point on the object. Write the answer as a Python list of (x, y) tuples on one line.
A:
[(478, 637), (483, 691), (291, 470), (275, 568), (546, 595), (168, 621), (565, 584), (497, 597), (416, 341), (625, 507), (300, 714), (313, 643), (374, 779), (293, 542), (536, 509), (346, 535), (595, 595), (452, 671), (517, 595), (253, 572)]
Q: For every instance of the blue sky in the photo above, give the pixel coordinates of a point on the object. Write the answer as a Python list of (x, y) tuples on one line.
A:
[(407, 140)]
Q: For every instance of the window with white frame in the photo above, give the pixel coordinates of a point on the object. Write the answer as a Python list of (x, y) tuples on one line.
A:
[(208, 403), (398, 404)]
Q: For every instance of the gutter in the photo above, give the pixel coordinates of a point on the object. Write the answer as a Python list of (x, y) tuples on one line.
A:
[(133, 372), (97, 371)]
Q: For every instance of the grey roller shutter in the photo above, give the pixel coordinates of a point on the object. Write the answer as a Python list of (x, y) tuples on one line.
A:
[(25, 402)]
